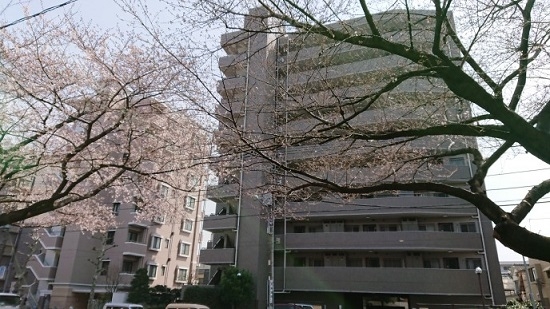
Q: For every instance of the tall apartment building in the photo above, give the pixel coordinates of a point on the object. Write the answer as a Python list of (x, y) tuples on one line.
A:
[(62, 261), (394, 249)]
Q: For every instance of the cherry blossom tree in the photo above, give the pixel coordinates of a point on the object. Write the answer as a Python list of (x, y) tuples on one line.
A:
[(88, 117)]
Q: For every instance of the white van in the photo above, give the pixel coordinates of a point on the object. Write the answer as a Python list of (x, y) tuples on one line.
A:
[(9, 301), (122, 306), (186, 306)]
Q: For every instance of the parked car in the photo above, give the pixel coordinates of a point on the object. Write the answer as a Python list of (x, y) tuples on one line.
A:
[(122, 306), (9, 301), (185, 306), (293, 306)]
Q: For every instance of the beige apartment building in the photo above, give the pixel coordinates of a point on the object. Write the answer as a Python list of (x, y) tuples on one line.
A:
[(398, 249), (535, 285), (62, 262)]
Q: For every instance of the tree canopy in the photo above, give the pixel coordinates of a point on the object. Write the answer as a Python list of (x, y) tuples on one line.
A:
[(139, 288), (236, 286), (89, 117)]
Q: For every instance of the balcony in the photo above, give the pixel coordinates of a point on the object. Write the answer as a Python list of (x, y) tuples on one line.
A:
[(228, 88), (223, 192), (216, 223), (347, 74), (231, 109), (401, 240), (322, 56), (51, 238), (428, 281), (221, 256), (9, 250), (49, 242), (233, 64), (133, 248), (419, 206), (235, 42), (40, 269)]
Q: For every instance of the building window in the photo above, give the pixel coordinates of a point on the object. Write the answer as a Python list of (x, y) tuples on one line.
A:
[(451, 263), (184, 249), (116, 208), (300, 262), (2, 272), (468, 227), (167, 243), (189, 202), (135, 208), (533, 274), (187, 225), (159, 219), (352, 228), (104, 267), (155, 243), (130, 263), (317, 262), (163, 270), (389, 227), (432, 263), (164, 190), (192, 181), (128, 267), (372, 262), (152, 271), (335, 259), (181, 275), (393, 262), (135, 235), (473, 263), (110, 237), (426, 227), (354, 262), (445, 227), (369, 227)]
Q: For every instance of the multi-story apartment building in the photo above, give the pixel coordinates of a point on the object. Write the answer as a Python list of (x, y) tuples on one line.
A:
[(393, 249), (509, 274), (535, 285), (9, 236), (62, 264)]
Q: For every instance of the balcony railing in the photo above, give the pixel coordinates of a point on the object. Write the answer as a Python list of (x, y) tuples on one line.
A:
[(40, 268), (411, 205), (428, 281), (221, 256), (215, 223), (399, 240), (223, 191)]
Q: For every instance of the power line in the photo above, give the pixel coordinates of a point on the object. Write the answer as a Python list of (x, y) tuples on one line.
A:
[(37, 14), (519, 172)]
